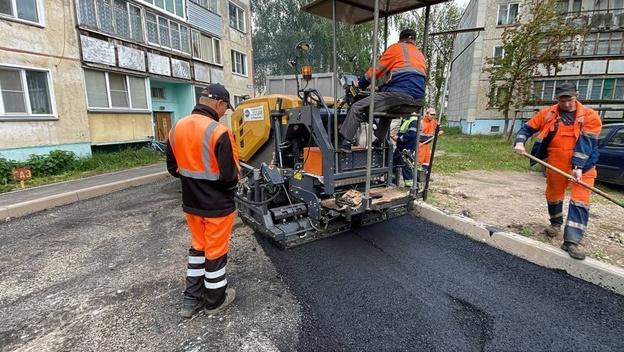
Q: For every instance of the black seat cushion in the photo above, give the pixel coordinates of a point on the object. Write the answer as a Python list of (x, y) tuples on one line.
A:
[(400, 105)]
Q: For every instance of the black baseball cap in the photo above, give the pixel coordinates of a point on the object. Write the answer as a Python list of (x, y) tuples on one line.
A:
[(565, 89), (407, 34), (217, 92)]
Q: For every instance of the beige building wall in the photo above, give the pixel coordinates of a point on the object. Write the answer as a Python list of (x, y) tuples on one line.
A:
[(233, 39), (119, 128), (50, 46)]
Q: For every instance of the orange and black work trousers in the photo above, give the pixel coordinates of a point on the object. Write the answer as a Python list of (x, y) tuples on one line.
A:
[(205, 276), (560, 153)]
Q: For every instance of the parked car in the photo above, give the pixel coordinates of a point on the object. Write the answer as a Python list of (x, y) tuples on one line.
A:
[(610, 165)]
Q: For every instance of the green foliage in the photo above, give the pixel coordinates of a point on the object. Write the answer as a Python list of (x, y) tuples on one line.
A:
[(458, 152), (279, 25), (537, 42), (60, 165), (442, 17), (51, 164)]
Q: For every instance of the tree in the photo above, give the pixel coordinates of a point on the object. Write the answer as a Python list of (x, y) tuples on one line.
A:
[(279, 25), (443, 17), (532, 47)]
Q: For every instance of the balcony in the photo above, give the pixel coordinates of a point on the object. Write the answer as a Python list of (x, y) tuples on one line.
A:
[(598, 20)]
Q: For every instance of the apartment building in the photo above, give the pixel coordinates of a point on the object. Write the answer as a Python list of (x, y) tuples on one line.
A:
[(594, 63), (138, 66)]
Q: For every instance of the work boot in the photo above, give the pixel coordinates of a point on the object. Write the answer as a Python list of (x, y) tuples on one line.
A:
[(190, 306), (573, 250), (230, 295), (345, 145), (552, 230)]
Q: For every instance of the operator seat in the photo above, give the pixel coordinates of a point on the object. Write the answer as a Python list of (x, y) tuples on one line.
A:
[(395, 107)]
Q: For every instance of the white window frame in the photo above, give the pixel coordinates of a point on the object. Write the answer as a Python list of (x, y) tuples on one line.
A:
[(244, 15), (142, 14), (508, 21), (494, 53), (40, 15), (13, 116), (108, 93), (238, 99), (244, 59), (159, 44), (148, 3)]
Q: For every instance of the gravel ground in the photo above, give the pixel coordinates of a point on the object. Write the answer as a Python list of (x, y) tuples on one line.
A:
[(108, 274)]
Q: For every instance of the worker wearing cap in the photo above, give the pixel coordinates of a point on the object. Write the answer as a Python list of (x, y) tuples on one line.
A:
[(202, 153), (427, 132), (567, 137), (405, 69)]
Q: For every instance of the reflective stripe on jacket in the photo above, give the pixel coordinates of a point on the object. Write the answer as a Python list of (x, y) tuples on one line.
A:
[(406, 137), (587, 127), (405, 69), (203, 154)]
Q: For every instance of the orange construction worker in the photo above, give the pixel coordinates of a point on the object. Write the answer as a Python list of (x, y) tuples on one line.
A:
[(567, 137), (202, 153), (427, 132), (405, 69)]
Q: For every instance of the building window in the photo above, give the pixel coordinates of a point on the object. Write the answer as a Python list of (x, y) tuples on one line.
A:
[(25, 92), (166, 33), (239, 99), (498, 96), (237, 17), (175, 7), (107, 90), (158, 93), (198, 91), (609, 89), (495, 129), (507, 14), (27, 10), (239, 63), (113, 16), (211, 5), (206, 48)]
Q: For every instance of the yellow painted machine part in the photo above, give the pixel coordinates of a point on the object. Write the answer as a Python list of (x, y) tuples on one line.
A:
[(251, 122)]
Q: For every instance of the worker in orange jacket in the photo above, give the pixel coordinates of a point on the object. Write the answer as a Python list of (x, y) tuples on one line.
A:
[(202, 153), (427, 132), (405, 69), (568, 138)]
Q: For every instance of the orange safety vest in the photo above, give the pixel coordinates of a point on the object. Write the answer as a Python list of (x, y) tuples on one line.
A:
[(193, 142), (399, 58)]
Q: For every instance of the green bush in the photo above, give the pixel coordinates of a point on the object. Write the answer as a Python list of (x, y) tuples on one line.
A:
[(452, 131), (6, 170), (54, 163)]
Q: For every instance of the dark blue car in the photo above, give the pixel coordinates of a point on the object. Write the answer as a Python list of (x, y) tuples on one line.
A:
[(610, 165)]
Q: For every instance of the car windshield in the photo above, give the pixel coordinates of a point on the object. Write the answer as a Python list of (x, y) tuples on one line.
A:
[(617, 141), (604, 133)]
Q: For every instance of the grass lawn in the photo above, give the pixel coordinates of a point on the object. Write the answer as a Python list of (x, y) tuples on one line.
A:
[(98, 163), (456, 152)]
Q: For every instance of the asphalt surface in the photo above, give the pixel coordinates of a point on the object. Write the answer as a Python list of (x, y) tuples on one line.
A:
[(108, 274), (409, 285)]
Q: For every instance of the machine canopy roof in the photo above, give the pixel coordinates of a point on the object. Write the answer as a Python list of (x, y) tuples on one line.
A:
[(360, 11)]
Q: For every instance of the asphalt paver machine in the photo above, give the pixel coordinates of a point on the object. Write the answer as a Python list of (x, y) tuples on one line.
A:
[(296, 185)]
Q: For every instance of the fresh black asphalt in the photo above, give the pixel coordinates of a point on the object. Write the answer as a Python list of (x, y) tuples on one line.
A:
[(409, 285)]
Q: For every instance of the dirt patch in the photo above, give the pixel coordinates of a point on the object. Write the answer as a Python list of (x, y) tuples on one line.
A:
[(515, 201)]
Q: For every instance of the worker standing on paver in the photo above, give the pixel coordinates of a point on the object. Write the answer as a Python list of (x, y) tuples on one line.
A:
[(202, 153), (427, 132), (405, 140), (568, 136)]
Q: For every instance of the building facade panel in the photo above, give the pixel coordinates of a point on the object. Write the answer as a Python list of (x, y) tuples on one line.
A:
[(206, 20), (131, 59), (49, 111)]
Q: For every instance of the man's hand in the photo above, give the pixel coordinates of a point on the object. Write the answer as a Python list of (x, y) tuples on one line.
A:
[(394, 138), (519, 148), (577, 174), (355, 82)]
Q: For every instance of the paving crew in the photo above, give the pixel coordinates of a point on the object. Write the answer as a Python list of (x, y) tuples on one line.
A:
[(427, 132), (202, 153), (405, 140), (405, 69), (567, 137)]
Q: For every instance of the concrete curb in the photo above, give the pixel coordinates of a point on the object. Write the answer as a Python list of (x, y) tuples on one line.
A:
[(32, 206), (607, 276)]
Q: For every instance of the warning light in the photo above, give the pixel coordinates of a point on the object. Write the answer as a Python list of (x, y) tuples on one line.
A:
[(306, 71)]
